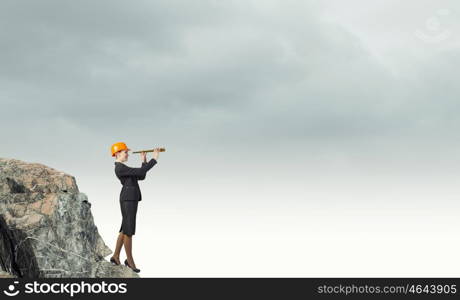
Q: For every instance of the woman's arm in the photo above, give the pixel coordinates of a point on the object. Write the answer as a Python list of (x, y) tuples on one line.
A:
[(142, 177), (124, 170)]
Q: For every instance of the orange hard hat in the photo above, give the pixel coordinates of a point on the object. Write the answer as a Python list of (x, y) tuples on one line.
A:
[(118, 147)]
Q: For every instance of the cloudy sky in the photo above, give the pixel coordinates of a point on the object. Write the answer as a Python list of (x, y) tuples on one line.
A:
[(303, 138)]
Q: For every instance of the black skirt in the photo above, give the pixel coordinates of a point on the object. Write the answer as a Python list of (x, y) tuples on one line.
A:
[(128, 213)]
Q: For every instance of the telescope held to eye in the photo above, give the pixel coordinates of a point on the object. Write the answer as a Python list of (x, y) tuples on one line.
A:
[(150, 150)]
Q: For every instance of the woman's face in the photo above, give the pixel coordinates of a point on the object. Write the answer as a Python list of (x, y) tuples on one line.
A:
[(123, 155)]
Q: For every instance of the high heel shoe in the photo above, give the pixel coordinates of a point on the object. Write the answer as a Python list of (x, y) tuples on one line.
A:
[(113, 261), (134, 269)]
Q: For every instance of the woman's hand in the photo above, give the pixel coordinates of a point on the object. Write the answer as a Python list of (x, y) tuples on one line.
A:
[(144, 156), (156, 152)]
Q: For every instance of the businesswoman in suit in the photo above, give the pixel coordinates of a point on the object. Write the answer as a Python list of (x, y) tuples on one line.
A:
[(130, 195)]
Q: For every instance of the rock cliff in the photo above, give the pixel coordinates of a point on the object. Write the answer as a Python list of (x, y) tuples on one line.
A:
[(46, 226)]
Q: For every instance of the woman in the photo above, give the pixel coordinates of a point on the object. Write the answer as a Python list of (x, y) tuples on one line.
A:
[(130, 195)]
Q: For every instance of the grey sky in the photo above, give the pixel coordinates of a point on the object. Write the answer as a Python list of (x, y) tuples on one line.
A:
[(255, 101), (228, 62)]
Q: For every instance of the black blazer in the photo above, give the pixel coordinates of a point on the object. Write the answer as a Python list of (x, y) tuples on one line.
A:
[(129, 176)]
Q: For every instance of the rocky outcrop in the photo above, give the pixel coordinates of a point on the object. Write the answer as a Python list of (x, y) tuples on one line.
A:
[(46, 226)]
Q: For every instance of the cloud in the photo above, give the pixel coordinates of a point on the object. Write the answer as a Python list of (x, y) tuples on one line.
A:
[(248, 71)]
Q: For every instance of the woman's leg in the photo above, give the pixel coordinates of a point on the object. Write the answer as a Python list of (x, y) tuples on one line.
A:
[(130, 225), (128, 242), (116, 254)]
